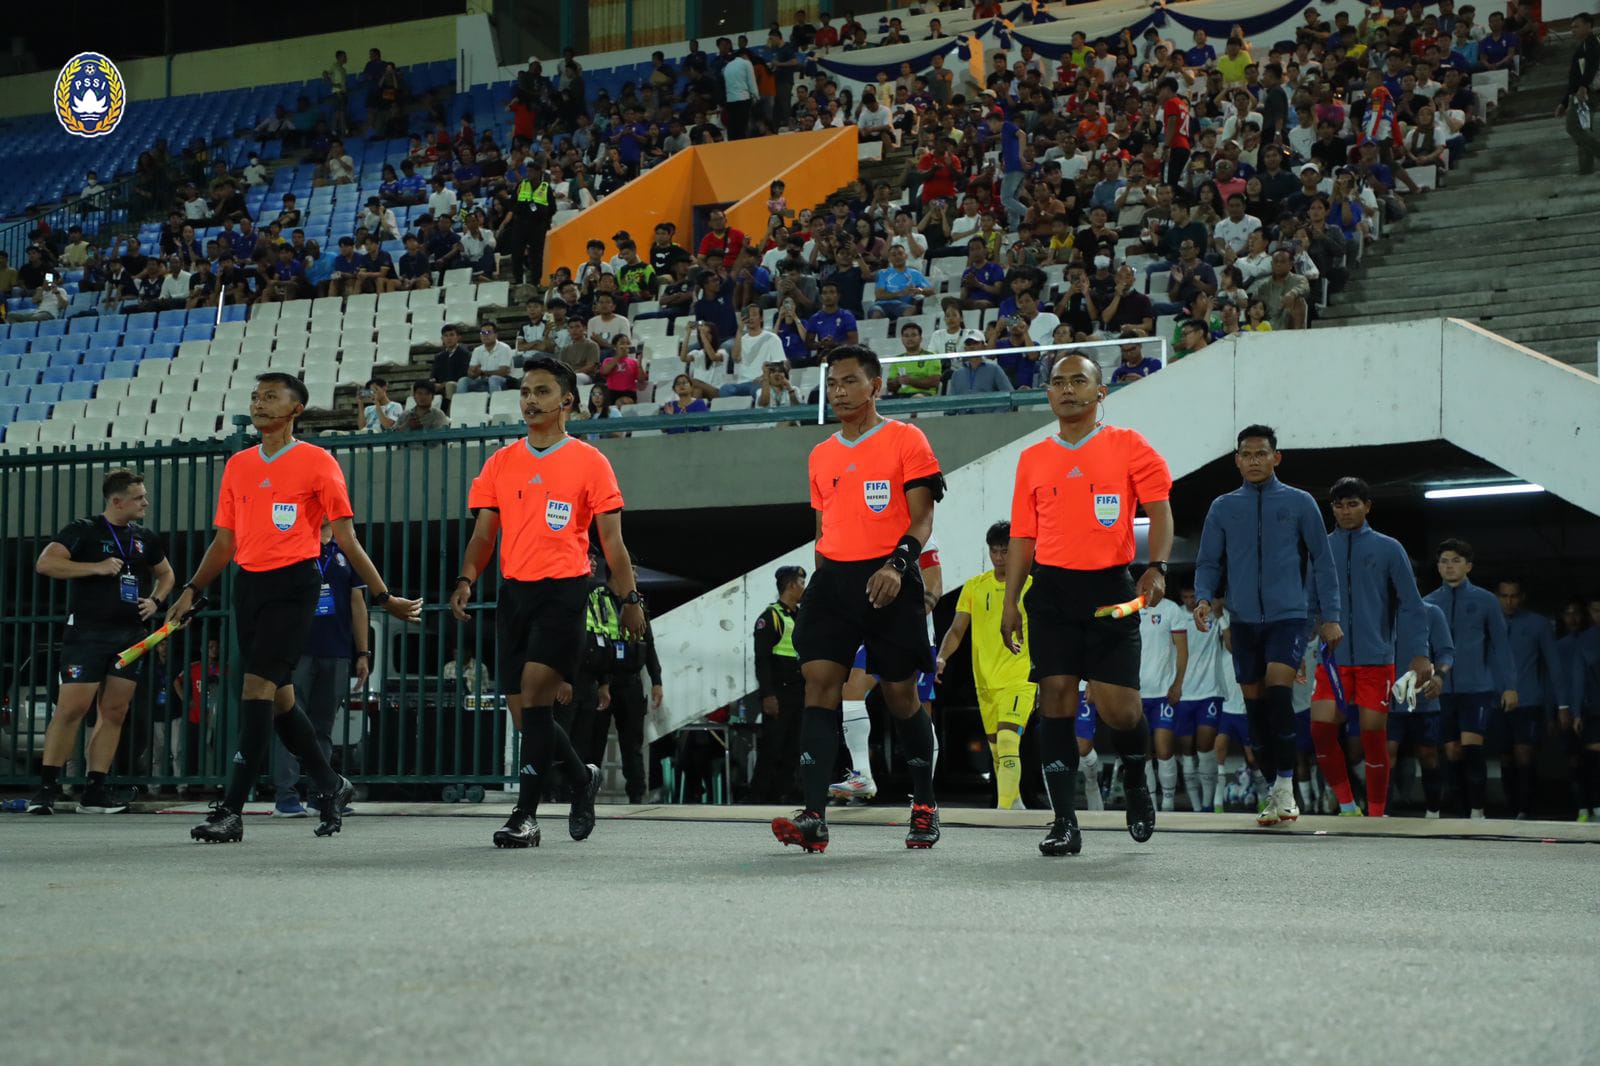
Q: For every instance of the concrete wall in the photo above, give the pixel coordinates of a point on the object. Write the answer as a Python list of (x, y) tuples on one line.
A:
[(264, 63), (1363, 385)]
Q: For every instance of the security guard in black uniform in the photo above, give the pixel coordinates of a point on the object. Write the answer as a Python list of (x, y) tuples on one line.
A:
[(532, 209), (782, 692), (616, 660)]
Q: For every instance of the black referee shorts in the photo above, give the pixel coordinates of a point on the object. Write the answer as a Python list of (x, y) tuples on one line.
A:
[(1064, 636), (272, 612), (539, 622), (836, 621), (89, 653)]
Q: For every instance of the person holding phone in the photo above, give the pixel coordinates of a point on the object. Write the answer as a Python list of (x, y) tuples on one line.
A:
[(49, 300)]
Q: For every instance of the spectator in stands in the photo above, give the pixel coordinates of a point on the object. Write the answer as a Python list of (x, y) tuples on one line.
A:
[(8, 274), (414, 270), (1190, 277), (607, 325), (740, 91), (580, 352), (375, 271), (174, 292), (538, 335), (382, 413), (1125, 306), (118, 287), (478, 249), (202, 286), (444, 245), (1233, 231), (830, 325), (343, 281), (976, 374), (900, 288), (721, 244), (599, 405), (490, 368), (1135, 364), (1582, 71), (753, 348), (423, 415), (1284, 293), (148, 285), (982, 282), (49, 300), (685, 402), (453, 361), (1193, 335), (379, 220), (442, 202), (919, 377)]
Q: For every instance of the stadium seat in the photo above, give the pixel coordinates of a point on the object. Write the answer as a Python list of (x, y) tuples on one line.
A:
[(56, 375), (137, 338), (134, 406), (504, 404), (198, 426), (69, 410), (42, 344), (201, 332), (53, 327), (74, 342), (101, 407), (54, 432), (145, 320), (77, 390), (13, 395), (33, 412), (44, 394), (91, 429), (470, 409), (148, 385), (164, 426)]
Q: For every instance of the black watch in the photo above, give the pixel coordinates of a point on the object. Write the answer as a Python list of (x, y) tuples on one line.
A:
[(899, 563), (363, 655), (1162, 567), (632, 598)]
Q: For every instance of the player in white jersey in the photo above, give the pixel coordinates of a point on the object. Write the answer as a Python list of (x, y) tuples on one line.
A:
[(858, 785), (1163, 661), (1195, 718), (1233, 725)]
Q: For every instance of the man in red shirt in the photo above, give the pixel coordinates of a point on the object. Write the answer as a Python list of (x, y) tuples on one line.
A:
[(1072, 514), (943, 169), (720, 242), (270, 510), (873, 486), (538, 497), (1174, 128)]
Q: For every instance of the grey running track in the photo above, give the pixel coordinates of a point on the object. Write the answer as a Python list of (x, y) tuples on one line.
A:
[(412, 940)]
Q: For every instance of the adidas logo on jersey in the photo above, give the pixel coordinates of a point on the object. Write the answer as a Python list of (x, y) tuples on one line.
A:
[(1074, 472), (266, 483), (806, 759), (536, 480), (527, 770)]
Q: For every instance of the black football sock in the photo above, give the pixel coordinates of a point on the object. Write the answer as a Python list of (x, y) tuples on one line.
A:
[(1058, 752), (538, 746), (819, 748), (916, 736), (49, 775), (96, 778), (1280, 712), (1477, 776), (1133, 749), (1261, 737), (300, 737), (1591, 777), (1432, 788), (255, 732)]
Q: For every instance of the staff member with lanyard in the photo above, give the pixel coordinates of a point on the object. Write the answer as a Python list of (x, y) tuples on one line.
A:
[(621, 690), (322, 677), (782, 689)]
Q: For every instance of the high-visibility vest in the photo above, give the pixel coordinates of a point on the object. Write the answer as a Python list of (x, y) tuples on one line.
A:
[(601, 618), (781, 620), (527, 192)]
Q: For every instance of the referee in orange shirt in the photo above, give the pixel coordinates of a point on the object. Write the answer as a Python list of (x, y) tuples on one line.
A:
[(270, 510), (1072, 514), (873, 486), (539, 497)]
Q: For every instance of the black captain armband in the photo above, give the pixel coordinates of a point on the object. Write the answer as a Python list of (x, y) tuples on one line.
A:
[(905, 553), (934, 483)]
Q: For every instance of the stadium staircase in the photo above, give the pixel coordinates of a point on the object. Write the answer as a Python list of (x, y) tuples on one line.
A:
[(1510, 243)]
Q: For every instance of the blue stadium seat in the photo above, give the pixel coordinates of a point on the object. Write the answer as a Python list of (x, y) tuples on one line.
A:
[(235, 313), (112, 324), (14, 347), (44, 344), (23, 377), (77, 390), (65, 358), (91, 372), (35, 361), (132, 335), (45, 394), (91, 356), (120, 371), (169, 335), (128, 353), (86, 324), (57, 375), (171, 318), (8, 414), (53, 327), (33, 412), (201, 316), (10, 362), (104, 339), (13, 395), (203, 331), (23, 330), (160, 351), (142, 320), (75, 342)]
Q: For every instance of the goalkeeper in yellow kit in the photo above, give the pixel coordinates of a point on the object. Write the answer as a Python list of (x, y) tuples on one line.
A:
[(1006, 697)]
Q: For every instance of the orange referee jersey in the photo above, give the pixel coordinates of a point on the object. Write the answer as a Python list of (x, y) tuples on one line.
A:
[(860, 488), (1077, 501), (547, 500), (275, 506)]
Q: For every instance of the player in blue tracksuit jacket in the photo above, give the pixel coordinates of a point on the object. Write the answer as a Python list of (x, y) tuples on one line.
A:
[(1381, 605), (1583, 688), (1258, 542), (1418, 728), (1541, 684), (1483, 674)]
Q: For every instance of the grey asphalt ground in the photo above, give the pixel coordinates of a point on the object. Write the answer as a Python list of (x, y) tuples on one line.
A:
[(412, 940)]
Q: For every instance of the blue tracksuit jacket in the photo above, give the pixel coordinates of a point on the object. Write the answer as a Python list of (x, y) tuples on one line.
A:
[(1483, 654), (1258, 542)]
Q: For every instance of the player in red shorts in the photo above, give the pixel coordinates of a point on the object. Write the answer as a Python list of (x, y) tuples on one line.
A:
[(1379, 599)]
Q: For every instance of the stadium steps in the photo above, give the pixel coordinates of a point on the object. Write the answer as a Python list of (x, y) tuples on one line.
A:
[(1510, 242)]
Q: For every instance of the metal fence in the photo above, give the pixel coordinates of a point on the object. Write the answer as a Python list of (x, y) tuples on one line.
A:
[(428, 715), (94, 213)]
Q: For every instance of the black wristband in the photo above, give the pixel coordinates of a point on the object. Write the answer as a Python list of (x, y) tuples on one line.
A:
[(905, 553), (462, 577), (380, 599), (363, 655)]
